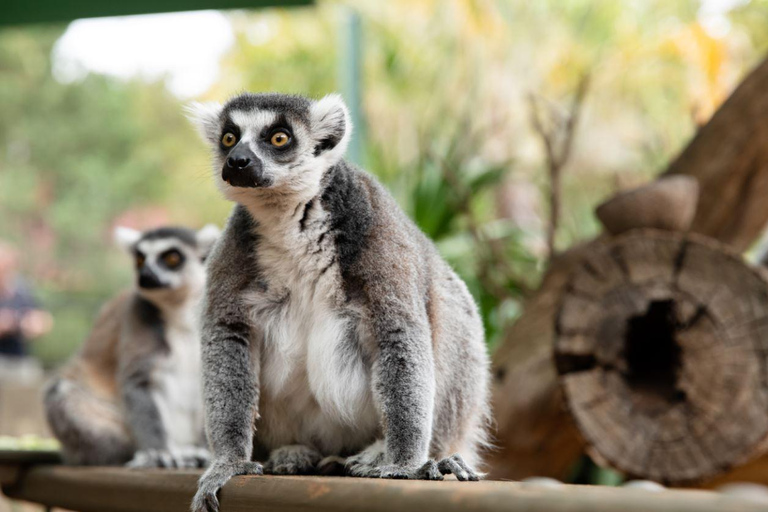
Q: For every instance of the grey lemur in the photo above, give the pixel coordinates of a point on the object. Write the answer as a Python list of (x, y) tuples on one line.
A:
[(331, 327), (132, 392)]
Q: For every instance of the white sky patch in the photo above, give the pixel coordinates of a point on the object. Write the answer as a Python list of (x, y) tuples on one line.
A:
[(186, 47), (713, 15)]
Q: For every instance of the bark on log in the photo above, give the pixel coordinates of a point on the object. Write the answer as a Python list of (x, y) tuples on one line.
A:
[(535, 434)]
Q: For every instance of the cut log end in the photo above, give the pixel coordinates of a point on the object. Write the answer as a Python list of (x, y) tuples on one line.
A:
[(659, 350)]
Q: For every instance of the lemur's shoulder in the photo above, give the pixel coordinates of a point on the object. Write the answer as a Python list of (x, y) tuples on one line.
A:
[(231, 266), (379, 246)]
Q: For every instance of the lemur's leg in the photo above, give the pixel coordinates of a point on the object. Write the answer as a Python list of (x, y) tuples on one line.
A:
[(293, 460), (403, 373), (230, 362), (91, 431), (144, 416), (231, 397)]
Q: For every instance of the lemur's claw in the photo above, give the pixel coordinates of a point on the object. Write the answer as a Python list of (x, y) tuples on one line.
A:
[(215, 477)]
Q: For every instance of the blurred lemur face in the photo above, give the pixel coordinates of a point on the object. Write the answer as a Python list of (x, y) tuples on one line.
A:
[(267, 144), (168, 261)]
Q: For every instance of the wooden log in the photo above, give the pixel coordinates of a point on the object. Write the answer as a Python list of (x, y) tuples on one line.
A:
[(660, 341), (535, 434), (124, 490)]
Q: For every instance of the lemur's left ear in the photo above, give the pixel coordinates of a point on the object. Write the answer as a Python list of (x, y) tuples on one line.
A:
[(206, 118), (331, 127), (206, 237), (126, 238)]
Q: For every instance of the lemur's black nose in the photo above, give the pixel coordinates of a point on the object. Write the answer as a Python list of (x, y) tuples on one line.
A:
[(243, 168), (238, 161)]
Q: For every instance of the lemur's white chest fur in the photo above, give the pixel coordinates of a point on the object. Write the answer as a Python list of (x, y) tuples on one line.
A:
[(315, 383), (176, 380)]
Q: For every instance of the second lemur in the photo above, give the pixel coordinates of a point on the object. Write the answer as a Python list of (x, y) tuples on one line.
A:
[(132, 392), (332, 328)]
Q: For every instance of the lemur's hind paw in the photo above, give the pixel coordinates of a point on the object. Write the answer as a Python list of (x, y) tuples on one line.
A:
[(292, 460), (182, 458), (214, 478), (456, 466), (429, 471)]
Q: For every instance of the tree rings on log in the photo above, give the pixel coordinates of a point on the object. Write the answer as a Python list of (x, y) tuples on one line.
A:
[(660, 347)]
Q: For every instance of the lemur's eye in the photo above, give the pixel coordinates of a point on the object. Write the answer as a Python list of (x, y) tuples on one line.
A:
[(280, 139), (229, 139), (140, 259), (172, 259)]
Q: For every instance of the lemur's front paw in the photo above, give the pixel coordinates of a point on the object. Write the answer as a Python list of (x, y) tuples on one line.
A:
[(189, 457), (292, 460), (214, 478)]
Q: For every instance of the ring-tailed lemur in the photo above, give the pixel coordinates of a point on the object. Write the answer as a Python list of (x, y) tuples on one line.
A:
[(331, 326), (132, 392)]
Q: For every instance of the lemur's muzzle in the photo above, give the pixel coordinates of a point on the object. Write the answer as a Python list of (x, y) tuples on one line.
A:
[(244, 169), (148, 280)]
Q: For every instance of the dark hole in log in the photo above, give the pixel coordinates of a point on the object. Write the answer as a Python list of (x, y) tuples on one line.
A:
[(653, 356)]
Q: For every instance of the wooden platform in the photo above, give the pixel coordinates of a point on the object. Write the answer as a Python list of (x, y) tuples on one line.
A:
[(125, 490)]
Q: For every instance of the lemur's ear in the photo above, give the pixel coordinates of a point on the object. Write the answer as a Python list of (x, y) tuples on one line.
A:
[(206, 237), (331, 127), (205, 117), (126, 238)]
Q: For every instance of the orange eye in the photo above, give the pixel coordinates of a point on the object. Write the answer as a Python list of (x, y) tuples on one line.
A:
[(280, 139), (229, 139), (172, 259), (140, 259)]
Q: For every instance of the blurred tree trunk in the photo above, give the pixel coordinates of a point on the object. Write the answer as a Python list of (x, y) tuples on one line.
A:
[(536, 435), (729, 157)]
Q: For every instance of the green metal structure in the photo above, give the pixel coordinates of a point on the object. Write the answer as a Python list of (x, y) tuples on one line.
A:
[(19, 12)]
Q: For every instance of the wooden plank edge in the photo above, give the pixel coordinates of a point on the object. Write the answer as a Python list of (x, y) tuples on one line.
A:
[(89, 489)]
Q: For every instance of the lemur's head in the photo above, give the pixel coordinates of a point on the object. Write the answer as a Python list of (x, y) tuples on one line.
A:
[(273, 144), (168, 260)]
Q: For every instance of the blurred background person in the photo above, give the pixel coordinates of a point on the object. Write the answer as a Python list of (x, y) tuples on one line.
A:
[(21, 319)]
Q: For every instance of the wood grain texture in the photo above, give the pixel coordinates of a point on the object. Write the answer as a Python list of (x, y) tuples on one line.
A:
[(123, 490)]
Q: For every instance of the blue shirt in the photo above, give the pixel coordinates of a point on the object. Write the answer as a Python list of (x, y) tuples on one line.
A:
[(20, 302)]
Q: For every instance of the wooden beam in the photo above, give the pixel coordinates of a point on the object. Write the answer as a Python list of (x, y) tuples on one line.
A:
[(124, 490)]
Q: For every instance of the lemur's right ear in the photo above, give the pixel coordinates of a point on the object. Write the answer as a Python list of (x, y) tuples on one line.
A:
[(126, 238), (331, 127), (206, 237), (206, 118)]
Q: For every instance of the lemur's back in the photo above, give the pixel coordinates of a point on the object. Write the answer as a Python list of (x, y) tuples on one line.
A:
[(95, 364)]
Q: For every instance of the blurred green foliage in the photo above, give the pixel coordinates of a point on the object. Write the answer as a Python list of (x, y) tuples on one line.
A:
[(446, 87)]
